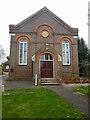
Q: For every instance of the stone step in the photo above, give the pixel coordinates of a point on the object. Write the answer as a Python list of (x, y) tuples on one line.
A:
[(47, 78), (50, 84), (48, 81)]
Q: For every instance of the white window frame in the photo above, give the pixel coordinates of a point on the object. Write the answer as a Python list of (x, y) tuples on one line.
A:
[(24, 42), (7, 67), (45, 59), (63, 43)]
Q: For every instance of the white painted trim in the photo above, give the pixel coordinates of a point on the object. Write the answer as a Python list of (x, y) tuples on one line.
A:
[(47, 44), (39, 70), (66, 54), (75, 36), (23, 53), (53, 66), (12, 34), (53, 69)]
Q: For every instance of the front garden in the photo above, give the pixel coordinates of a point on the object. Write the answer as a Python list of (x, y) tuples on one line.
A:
[(37, 103)]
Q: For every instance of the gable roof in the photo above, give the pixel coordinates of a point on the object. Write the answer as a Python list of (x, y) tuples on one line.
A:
[(12, 28), (6, 63)]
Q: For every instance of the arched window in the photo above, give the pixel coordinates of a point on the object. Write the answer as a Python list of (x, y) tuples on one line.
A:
[(23, 52), (46, 57), (66, 52)]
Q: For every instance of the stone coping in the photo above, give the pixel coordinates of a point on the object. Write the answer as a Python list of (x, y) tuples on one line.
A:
[(75, 84)]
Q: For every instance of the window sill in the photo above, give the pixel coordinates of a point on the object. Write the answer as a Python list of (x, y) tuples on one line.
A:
[(22, 65), (67, 65)]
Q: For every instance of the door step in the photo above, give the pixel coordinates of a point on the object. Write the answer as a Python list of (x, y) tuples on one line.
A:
[(50, 84), (49, 81)]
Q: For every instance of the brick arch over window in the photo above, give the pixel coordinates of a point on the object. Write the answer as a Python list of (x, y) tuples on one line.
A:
[(25, 36), (44, 24), (47, 53), (65, 38)]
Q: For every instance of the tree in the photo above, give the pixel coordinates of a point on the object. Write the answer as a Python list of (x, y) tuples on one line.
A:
[(2, 54), (89, 56), (83, 56), (89, 64)]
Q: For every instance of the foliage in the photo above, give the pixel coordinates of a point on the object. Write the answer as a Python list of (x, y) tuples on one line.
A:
[(8, 57), (83, 89), (0, 69), (88, 64), (72, 78), (83, 56), (88, 56), (37, 103)]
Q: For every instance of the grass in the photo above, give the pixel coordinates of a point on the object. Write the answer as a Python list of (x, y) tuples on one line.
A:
[(83, 89), (37, 103)]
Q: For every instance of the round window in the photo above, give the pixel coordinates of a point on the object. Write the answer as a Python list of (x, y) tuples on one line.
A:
[(45, 33)]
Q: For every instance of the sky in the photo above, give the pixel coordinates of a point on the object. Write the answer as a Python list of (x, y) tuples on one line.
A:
[(73, 12)]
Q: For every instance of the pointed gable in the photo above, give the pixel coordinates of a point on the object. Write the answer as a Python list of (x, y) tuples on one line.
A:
[(43, 16)]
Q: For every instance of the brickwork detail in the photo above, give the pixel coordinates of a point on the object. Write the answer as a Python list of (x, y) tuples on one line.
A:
[(65, 38), (30, 30), (27, 37), (44, 24)]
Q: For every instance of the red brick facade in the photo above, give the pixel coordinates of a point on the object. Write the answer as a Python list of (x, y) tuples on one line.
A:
[(31, 29)]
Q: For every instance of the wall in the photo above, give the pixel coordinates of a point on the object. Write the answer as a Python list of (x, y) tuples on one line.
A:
[(37, 45)]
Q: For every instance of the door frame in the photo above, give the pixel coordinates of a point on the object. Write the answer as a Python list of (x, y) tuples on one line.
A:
[(53, 67), (46, 69)]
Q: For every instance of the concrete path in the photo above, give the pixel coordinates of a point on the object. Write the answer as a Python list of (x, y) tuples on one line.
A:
[(18, 85), (79, 100), (3, 78)]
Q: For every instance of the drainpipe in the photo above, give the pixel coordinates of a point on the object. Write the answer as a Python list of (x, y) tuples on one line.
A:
[(32, 69)]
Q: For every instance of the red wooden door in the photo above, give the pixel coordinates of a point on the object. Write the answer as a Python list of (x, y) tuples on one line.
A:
[(46, 68)]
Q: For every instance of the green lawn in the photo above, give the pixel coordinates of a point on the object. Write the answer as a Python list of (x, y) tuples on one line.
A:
[(37, 103), (83, 89)]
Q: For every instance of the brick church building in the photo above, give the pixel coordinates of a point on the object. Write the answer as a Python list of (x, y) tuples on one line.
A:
[(45, 45)]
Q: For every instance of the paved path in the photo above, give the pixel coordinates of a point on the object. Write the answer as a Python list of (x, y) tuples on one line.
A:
[(3, 78), (18, 84), (78, 100)]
